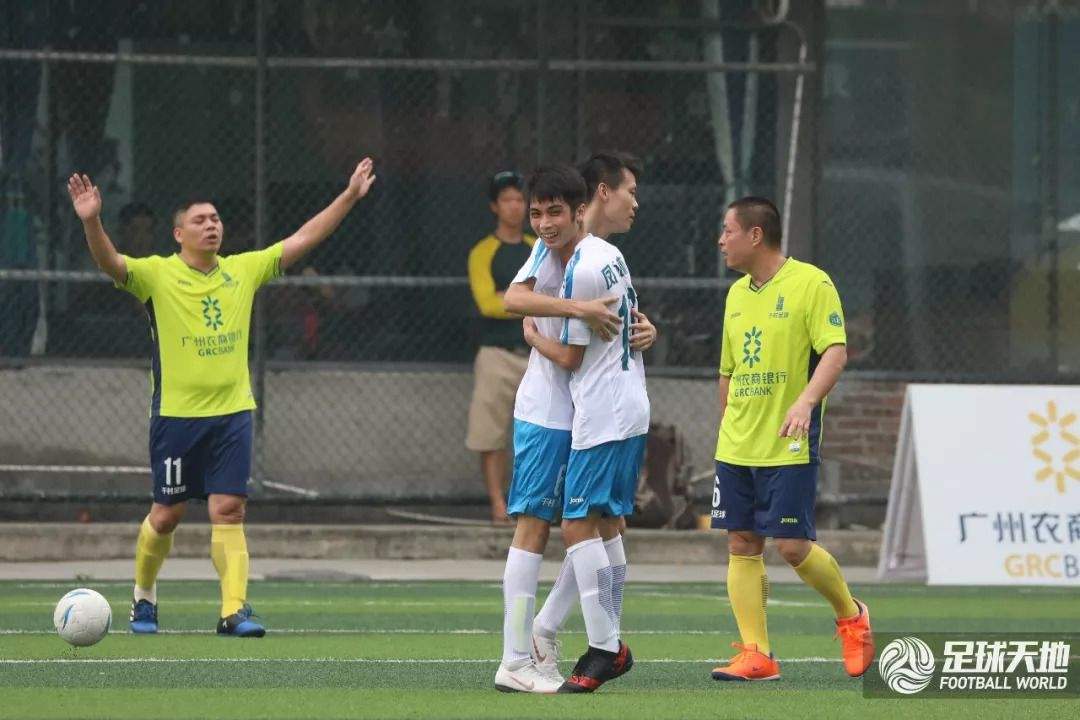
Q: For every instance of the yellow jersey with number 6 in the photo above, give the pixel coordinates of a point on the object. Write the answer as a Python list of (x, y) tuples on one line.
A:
[(772, 339), (200, 324)]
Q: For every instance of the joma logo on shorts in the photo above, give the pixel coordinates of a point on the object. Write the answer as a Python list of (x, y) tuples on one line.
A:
[(577, 500), (789, 521)]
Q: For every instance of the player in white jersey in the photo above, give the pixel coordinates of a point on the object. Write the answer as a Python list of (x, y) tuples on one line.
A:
[(543, 418), (611, 191), (611, 419)]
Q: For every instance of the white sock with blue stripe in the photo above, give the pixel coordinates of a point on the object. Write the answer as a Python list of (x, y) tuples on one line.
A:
[(592, 570), (617, 557)]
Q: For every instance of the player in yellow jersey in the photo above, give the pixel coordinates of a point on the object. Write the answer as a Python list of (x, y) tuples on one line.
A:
[(199, 307), (783, 349)]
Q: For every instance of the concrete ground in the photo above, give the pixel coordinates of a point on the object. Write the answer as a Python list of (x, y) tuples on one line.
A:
[(367, 569)]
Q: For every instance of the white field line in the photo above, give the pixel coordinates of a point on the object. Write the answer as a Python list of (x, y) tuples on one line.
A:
[(351, 661), (428, 603), (316, 603), (384, 631)]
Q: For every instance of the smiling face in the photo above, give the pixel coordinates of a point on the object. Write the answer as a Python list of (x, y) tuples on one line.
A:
[(555, 224), (198, 229)]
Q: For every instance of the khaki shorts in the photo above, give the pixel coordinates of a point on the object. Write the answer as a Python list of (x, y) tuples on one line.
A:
[(497, 374)]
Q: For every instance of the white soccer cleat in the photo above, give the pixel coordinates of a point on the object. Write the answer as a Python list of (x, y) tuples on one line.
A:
[(546, 654), (525, 678)]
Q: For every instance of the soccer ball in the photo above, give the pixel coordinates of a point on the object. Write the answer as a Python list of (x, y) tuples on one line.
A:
[(82, 617)]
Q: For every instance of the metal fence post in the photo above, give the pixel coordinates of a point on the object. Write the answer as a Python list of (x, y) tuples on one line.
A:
[(260, 232)]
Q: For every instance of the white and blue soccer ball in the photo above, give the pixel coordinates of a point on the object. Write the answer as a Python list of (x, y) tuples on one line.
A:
[(82, 617)]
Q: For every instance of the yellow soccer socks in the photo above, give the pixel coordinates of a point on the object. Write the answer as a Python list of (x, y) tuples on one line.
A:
[(820, 571), (151, 549), (228, 549), (748, 592)]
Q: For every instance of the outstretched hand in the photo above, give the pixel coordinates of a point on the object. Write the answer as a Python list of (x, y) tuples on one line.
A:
[(362, 179), (85, 197)]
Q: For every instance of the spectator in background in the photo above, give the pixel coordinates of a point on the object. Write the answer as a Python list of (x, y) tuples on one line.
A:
[(137, 227), (503, 354)]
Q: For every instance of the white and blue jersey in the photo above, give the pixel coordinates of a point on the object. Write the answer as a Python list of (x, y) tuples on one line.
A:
[(543, 408), (611, 405)]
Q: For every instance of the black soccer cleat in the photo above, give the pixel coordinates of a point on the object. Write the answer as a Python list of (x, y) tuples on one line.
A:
[(240, 624), (596, 667)]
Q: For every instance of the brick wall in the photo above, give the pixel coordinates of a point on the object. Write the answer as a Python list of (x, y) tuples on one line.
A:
[(862, 421)]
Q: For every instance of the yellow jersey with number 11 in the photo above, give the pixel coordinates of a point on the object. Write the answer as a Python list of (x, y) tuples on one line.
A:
[(200, 324), (773, 337)]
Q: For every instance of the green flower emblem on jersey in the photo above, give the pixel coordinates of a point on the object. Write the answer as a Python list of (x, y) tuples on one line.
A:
[(835, 320), (211, 312), (752, 346)]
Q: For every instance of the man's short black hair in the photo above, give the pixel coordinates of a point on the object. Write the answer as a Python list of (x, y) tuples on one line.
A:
[(753, 211), (502, 180), (607, 167), (558, 182), (133, 210), (184, 205)]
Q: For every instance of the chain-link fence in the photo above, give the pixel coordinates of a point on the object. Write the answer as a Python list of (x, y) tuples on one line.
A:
[(923, 169)]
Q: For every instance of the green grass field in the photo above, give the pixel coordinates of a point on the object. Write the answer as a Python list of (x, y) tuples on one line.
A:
[(430, 649)]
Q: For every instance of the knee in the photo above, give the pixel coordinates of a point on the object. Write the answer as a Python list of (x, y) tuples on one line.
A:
[(740, 543), (165, 518), (227, 510), (793, 551), (531, 534)]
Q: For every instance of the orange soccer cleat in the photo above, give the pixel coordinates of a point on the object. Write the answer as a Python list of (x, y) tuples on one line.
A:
[(749, 664), (857, 641)]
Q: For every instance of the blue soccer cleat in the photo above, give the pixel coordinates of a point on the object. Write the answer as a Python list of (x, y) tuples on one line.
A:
[(240, 624), (143, 617)]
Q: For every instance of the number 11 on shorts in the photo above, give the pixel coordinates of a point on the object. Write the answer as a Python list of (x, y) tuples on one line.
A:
[(171, 463)]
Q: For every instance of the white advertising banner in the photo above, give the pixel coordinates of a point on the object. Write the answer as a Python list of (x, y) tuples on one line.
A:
[(995, 471)]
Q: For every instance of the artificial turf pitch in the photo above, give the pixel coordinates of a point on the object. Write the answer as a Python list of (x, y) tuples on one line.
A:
[(430, 649)]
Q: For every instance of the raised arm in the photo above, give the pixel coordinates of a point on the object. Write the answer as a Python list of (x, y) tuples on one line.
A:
[(318, 228), (86, 200), (520, 299)]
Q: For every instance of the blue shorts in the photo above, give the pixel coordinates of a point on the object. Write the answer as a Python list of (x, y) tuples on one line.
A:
[(540, 456), (603, 479), (776, 502), (197, 457)]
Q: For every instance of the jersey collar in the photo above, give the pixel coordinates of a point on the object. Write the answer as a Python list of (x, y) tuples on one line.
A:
[(209, 273), (758, 288)]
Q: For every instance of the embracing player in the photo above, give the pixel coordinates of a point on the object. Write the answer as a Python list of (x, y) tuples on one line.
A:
[(611, 418), (199, 306)]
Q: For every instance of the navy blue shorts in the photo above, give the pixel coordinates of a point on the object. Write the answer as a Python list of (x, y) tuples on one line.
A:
[(197, 457), (776, 502)]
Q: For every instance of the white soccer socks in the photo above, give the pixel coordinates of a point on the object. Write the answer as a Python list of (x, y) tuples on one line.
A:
[(617, 557), (592, 570), (563, 596), (519, 600)]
